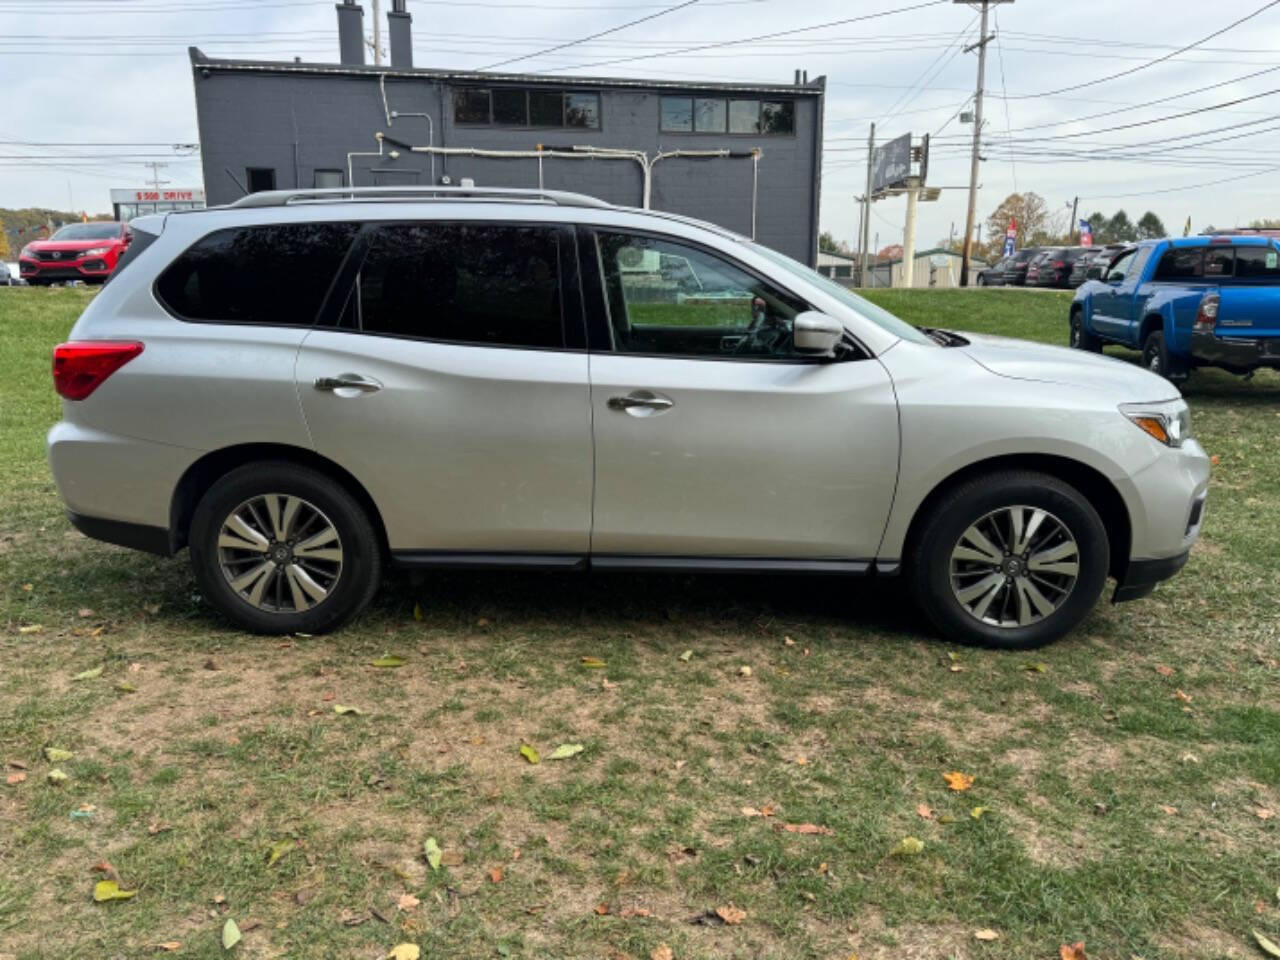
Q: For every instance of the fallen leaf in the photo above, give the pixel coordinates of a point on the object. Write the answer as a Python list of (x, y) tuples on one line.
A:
[(1034, 667), (629, 912), (977, 812), (135, 667), (14, 779), (802, 761), (389, 660), (662, 952), (686, 656), (210, 665), (105, 866), (957, 780), (924, 810), (1214, 460), (17, 764), (88, 674), (1181, 696), (787, 641), (593, 663), (156, 827), (608, 684), (1073, 952), (407, 902), (417, 612), (529, 753), (279, 850), (404, 951), (1171, 811), (56, 777), (907, 847), (30, 629), (985, 934), (453, 858), (230, 934), (106, 890), (1163, 670), (807, 828), (327, 696), (343, 710), (731, 915), (565, 751), (124, 686), (169, 946), (1267, 946), (1262, 813), (433, 853), (28, 587), (602, 909), (495, 875), (744, 671)]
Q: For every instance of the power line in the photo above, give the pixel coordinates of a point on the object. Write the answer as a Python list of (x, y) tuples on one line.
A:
[(594, 36), (929, 74), (1151, 63), (1189, 186), (1013, 165)]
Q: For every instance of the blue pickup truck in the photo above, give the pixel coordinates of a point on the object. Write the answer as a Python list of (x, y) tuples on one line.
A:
[(1209, 301)]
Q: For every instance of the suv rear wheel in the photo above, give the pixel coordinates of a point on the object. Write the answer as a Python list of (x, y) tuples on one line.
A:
[(1012, 560), (282, 548)]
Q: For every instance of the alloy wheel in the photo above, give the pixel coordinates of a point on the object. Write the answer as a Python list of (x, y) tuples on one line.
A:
[(1015, 566), (280, 553)]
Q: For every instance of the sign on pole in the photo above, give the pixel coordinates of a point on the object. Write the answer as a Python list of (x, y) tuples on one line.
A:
[(1010, 237), (891, 164)]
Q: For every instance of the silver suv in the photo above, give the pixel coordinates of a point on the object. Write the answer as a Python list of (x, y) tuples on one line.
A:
[(307, 386)]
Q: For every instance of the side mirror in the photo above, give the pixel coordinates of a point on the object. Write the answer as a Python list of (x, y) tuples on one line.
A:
[(816, 333), (1094, 273), (1115, 279)]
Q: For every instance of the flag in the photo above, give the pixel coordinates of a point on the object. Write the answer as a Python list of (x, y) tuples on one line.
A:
[(84, 216), (1086, 233), (1186, 231)]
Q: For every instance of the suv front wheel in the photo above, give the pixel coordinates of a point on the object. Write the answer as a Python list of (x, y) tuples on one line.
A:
[(282, 548), (1012, 560)]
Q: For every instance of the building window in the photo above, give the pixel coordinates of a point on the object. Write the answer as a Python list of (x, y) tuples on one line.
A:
[(677, 114), (526, 108), (708, 115), (718, 115), (260, 178), (328, 179)]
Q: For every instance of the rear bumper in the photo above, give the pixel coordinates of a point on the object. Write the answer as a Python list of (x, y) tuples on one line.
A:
[(1239, 354), (136, 536)]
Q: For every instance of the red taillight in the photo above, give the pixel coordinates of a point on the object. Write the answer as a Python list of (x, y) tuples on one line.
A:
[(81, 366), (1207, 315), (1059, 264)]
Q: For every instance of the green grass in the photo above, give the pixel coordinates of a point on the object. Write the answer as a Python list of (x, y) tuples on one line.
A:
[(230, 744)]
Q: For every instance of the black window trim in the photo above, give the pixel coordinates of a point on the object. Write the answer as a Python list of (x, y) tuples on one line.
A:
[(596, 301), (571, 300), (761, 100)]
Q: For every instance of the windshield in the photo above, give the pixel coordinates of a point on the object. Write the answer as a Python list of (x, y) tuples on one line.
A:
[(864, 308), (87, 231)]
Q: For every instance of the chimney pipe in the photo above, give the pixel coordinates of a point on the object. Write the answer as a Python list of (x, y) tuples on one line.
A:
[(351, 34), (400, 33)]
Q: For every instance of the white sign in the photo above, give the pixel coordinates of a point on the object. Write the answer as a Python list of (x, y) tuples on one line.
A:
[(152, 195)]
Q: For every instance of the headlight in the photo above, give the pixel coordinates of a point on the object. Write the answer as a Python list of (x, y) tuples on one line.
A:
[(1169, 422), (26, 252), (95, 252)]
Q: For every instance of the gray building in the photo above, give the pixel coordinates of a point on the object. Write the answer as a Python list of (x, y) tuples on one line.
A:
[(746, 156)]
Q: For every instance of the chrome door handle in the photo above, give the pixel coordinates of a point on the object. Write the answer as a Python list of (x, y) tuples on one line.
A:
[(642, 402), (348, 381)]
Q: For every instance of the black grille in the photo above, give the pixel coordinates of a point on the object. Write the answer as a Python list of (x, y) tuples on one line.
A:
[(57, 255)]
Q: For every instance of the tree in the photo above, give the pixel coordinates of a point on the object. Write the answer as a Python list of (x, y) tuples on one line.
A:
[(1101, 227), (1266, 223), (5, 252), (1150, 227), (1121, 229), (1031, 214), (827, 243)]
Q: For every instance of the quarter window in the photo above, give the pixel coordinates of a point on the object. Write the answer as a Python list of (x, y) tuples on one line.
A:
[(1252, 263), (1181, 264), (669, 299), (463, 283), (271, 276)]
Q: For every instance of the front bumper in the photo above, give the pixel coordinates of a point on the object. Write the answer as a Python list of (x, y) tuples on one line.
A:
[(1143, 575), (1237, 354), (94, 269)]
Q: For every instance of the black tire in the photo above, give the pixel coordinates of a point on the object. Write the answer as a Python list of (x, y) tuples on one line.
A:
[(1082, 339), (360, 565), (930, 560), (1155, 357)]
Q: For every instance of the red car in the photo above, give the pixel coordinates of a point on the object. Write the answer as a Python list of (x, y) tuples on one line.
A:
[(78, 251)]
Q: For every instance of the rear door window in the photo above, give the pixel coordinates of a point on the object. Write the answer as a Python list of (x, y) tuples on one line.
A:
[(1181, 264), (275, 275), (477, 283), (1219, 263), (1257, 263)]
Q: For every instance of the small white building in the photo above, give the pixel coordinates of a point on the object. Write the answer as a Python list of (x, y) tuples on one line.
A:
[(933, 268), (837, 266)]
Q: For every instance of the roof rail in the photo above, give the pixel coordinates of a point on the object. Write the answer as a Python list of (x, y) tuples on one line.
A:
[(283, 198)]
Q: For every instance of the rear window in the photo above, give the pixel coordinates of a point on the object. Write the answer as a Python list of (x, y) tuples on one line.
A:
[(1257, 263), (1181, 264), (274, 275)]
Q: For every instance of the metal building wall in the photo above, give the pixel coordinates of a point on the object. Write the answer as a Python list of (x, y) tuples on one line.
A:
[(299, 122)]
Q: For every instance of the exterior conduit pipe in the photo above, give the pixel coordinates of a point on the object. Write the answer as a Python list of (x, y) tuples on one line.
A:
[(577, 153), (392, 114), (351, 175)]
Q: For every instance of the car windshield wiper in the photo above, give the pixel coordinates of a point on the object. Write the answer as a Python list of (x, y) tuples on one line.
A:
[(944, 338)]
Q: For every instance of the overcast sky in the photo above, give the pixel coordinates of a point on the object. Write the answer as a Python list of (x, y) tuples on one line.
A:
[(111, 71)]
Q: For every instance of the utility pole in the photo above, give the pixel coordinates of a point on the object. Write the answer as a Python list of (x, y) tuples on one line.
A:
[(981, 47), (1075, 209), (155, 180), (377, 32), (866, 205)]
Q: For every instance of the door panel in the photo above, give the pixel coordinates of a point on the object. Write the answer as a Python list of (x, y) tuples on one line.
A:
[(751, 459), (465, 448)]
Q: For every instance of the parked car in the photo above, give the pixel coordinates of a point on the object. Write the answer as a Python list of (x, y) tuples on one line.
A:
[(505, 379), (1095, 256), (1186, 303), (1055, 266), (6, 278), (1032, 276), (993, 276), (78, 251), (1015, 273)]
